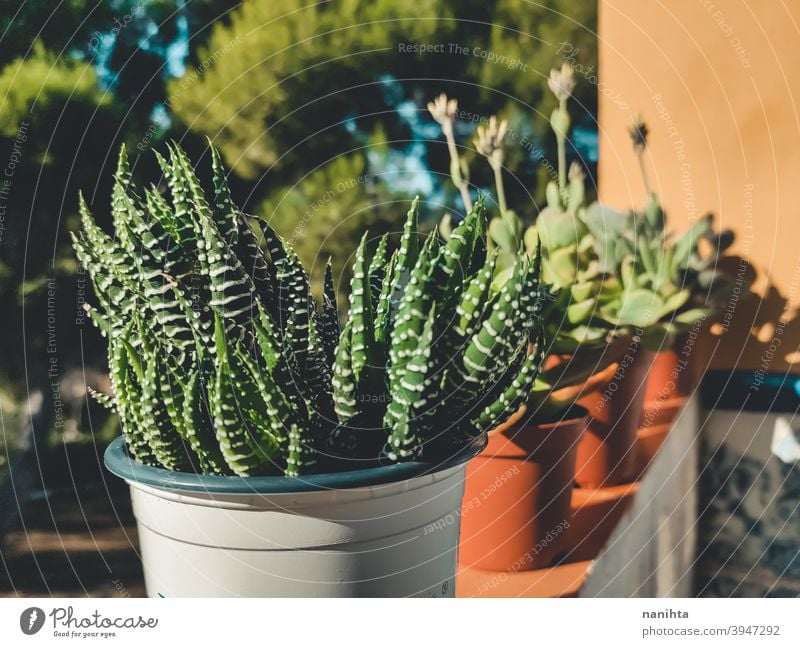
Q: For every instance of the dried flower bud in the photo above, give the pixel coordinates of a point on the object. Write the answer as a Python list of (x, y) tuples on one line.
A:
[(576, 173), (443, 110), (489, 139), (562, 82), (638, 132)]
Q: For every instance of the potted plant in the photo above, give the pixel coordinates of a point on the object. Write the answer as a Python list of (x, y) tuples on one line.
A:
[(697, 274), (268, 452), (668, 287), (673, 286)]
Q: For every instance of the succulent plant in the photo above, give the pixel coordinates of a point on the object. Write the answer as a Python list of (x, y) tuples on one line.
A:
[(668, 283), (222, 362)]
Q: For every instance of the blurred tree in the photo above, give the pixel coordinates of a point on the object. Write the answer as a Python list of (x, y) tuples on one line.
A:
[(58, 26), (76, 79), (58, 130), (274, 69), (286, 87)]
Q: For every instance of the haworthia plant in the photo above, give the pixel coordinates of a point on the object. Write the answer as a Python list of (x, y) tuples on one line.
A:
[(222, 362)]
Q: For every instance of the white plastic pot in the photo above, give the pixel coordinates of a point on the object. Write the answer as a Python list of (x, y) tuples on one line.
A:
[(388, 531)]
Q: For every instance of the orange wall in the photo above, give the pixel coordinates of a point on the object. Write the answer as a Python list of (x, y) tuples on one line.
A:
[(718, 83)]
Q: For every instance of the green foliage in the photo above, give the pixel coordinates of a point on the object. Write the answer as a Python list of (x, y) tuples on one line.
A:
[(212, 374), (56, 126), (56, 26), (516, 31), (668, 283), (580, 279), (283, 68), (46, 84), (302, 51), (283, 83)]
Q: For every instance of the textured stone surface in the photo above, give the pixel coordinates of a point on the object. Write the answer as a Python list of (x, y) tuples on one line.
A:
[(750, 511)]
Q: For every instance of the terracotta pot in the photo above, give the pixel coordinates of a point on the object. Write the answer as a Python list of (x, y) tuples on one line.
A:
[(661, 412), (595, 514), (607, 452), (516, 507), (670, 378), (650, 440)]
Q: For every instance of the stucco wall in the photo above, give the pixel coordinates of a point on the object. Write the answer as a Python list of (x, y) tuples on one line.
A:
[(718, 83)]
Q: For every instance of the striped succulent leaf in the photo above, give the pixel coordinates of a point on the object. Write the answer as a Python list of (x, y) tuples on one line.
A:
[(262, 272), (119, 200), (532, 298), (363, 346), (177, 258), (328, 324), (100, 321), (237, 230), (474, 300), (409, 250), (226, 213), (293, 293), (315, 384), (162, 438), (127, 395), (155, 249), (185, 226), (492, 347), (242, 422), (377, 270), (289, 424), (182, 167), (109, 266), (411, 394), (384, 307), (447, 282), (232, 292), (172, 395), (344, 384), (412, 312), (455, 259), (198, 424), (516, 390), (103, 399)]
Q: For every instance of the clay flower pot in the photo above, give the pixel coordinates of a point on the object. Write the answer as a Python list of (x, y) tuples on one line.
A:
[(668, 385), (669, 378), (516, 507), (661, 412), (607, 452)]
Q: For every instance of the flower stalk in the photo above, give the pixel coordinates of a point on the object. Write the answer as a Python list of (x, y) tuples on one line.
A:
[(638, 133), (443, 111), (561, 84)]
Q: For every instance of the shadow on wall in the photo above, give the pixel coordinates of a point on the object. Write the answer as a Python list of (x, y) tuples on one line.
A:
[(759, 333)]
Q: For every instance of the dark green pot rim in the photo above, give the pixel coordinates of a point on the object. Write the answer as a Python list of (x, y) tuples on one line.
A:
[(120, 463)]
